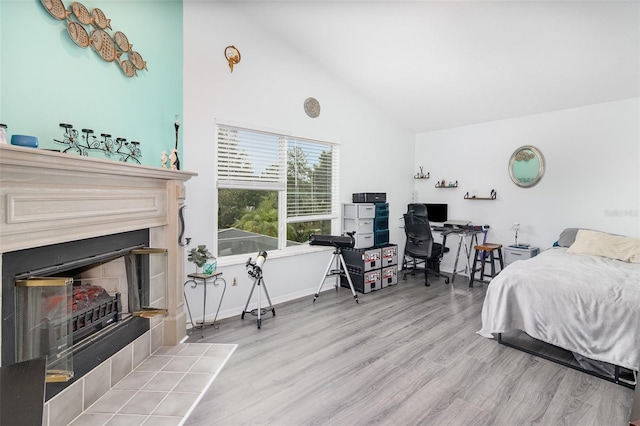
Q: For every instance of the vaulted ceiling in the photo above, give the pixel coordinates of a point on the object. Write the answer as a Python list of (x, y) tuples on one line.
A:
[(441, 64)]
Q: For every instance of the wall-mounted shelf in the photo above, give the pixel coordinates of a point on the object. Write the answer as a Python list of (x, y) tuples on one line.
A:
[(492, 196), (444, 184), (421, 175)]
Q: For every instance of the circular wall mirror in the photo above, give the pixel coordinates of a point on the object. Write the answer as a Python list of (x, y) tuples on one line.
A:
[(526, 166)]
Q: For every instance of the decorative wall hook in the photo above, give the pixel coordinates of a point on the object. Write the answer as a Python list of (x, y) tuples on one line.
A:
[(232, 54)]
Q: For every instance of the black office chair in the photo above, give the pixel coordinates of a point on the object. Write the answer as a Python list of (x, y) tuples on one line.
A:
[(420, 209), (417, 209), (421, 247)]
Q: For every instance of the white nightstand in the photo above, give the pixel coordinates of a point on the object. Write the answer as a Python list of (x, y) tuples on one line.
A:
[(513, 253)]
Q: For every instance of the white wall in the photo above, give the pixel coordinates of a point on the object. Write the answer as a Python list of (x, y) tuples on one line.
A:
[(592, 174), (267, 89)]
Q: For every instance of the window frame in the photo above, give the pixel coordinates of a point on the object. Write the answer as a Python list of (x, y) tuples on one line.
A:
[(283, 219)]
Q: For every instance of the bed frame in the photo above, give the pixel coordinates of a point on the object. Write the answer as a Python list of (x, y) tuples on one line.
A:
[(616, 379), (634, 419)]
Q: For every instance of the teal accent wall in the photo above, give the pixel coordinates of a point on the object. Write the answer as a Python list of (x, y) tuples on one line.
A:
[(46, 79)]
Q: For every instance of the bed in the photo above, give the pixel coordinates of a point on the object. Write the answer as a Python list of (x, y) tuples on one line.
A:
[(578, 296)]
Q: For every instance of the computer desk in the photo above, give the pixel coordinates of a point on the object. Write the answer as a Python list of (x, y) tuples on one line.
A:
[(467, 238)]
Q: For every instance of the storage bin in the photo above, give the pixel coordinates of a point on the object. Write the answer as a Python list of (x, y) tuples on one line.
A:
[(363, 282), (359, 211), (381, 238), (359, 226), (363, 240), (389, 276), (363, 259), (382, 210), (380, 224), (389, 254)]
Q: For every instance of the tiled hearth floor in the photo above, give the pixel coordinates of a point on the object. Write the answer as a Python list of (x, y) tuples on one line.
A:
[(161, 391)]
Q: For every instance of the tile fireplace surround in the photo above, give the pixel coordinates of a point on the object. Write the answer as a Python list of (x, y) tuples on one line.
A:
[(49, 198)]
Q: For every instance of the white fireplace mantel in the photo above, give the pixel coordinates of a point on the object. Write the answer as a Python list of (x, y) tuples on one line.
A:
[(49, 197)]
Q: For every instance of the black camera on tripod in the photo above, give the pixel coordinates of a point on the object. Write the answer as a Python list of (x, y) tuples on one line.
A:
[(254, 269), (337, 241)]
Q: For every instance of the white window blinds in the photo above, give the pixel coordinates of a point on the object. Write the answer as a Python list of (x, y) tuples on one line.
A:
[(311, 179), (307, 170), (251, 159)]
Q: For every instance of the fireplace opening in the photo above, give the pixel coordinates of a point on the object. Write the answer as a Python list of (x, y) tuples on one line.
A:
[(112, 288), (93, 309)]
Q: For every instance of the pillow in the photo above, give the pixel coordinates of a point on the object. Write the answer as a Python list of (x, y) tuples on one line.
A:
[(616, 247), (567, 237)]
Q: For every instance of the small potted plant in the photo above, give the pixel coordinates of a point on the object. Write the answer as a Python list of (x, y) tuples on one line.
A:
[(199, 256)]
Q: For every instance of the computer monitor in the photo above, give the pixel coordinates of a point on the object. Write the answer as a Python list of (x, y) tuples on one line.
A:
[(437, 212)]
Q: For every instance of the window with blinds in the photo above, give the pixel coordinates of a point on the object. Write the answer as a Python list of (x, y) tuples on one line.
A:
[(273, 190), (250, 159)]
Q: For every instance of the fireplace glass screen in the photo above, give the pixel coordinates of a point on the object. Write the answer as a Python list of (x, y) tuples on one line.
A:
[(146, 270), (43, 324), (56, 315)]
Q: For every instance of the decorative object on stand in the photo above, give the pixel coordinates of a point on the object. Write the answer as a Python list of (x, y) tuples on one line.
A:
[(421, 175), (312, 107), (516, 228), (24, 140), (199, 256), (164, 158), (205, 280), (444, 184), (108, 48), (107, 145), (232, 55), (210, 267), (175, 160), (492, 196), (3, 134)]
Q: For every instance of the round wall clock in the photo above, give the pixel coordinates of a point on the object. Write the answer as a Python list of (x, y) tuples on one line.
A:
[(312, 107)]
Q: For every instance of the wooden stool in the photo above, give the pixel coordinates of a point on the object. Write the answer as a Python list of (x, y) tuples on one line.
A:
[(482, 252)]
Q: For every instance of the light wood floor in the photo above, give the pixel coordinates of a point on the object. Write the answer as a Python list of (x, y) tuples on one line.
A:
[(405, 355)]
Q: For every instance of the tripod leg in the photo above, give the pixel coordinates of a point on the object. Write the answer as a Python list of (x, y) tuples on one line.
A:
[(259, 280), (273, 310), (249, 299), (346, 272), (324, 277)]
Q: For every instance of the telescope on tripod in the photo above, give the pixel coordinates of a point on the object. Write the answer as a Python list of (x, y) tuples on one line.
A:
[(338, 242), (254, 270)]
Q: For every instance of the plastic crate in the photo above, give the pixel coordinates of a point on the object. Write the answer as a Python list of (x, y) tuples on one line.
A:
[(381, 237)]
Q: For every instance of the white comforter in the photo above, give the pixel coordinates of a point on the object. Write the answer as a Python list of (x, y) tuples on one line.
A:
[(586, 304)]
